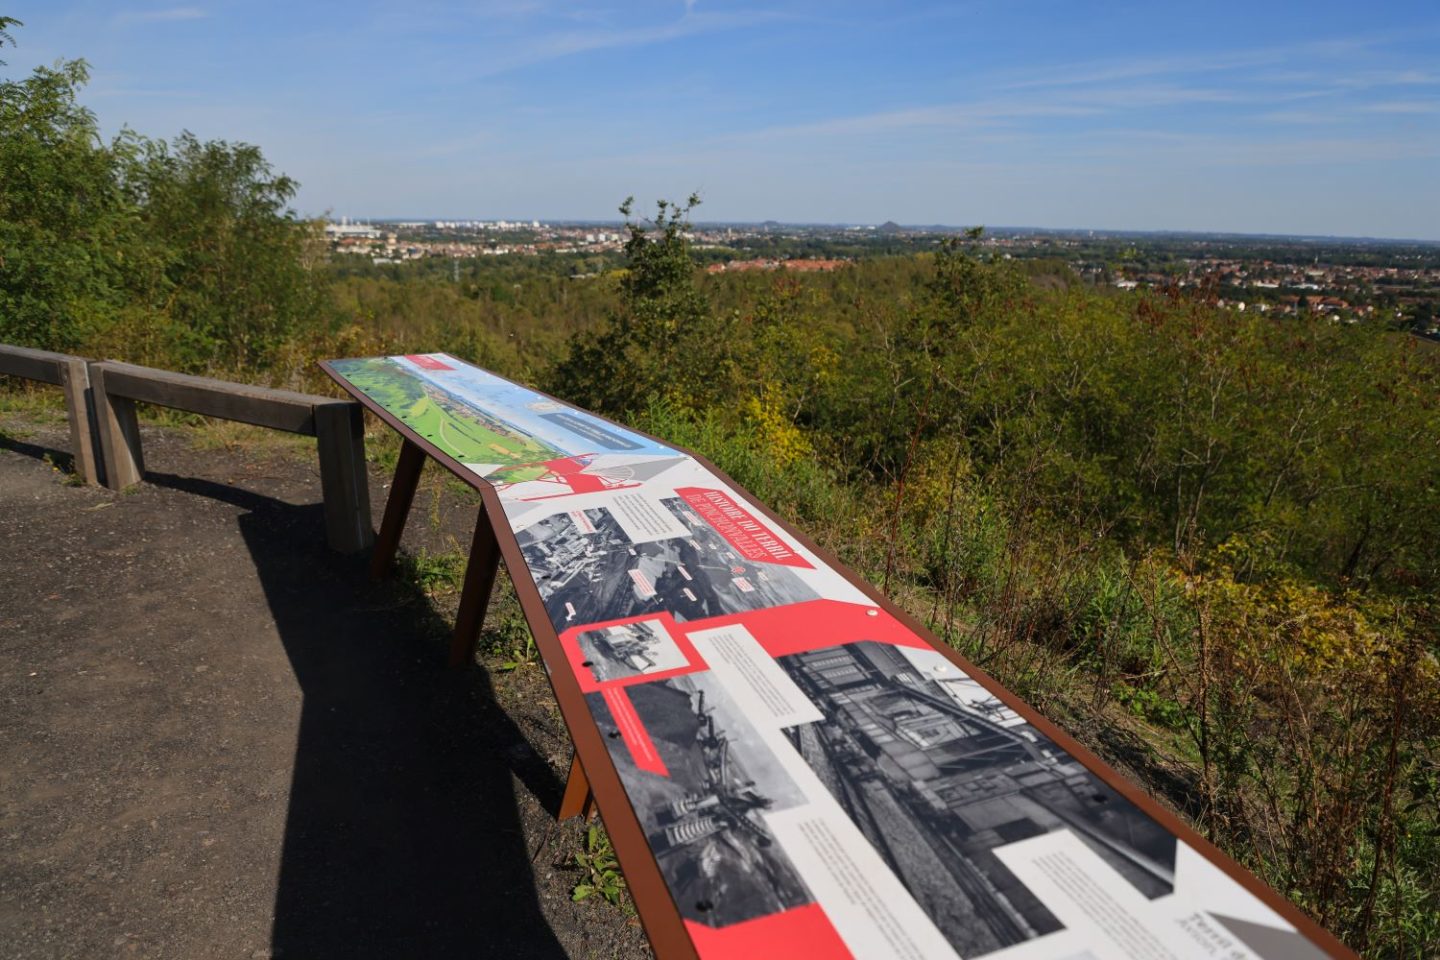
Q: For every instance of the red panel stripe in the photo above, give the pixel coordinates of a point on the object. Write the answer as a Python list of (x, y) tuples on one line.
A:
[(801, 932), (816, 624), (632, 731), (427, 362)]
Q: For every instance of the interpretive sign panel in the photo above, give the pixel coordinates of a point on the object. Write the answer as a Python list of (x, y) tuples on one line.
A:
[(813, 777)]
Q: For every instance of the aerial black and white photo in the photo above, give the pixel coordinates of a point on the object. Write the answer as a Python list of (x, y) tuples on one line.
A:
[(591, 572), (630, 650), (937, 779), (704, 819)]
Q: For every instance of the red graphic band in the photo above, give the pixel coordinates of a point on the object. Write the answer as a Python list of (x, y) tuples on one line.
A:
[(632, 731), (427, 362), (801, 932)]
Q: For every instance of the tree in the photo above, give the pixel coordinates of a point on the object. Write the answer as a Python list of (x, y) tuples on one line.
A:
[(233, 286), (5, 24), (663, 340), (63, 218), (183, 254)]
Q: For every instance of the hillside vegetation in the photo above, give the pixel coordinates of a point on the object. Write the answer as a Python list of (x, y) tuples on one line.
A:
[(1207, 542)]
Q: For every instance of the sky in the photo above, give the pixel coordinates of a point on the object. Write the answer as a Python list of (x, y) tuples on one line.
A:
[(1311, 117)]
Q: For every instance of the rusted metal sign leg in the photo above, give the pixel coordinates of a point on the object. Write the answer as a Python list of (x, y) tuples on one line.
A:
[(578, 800), (475, 595), (397, 509)]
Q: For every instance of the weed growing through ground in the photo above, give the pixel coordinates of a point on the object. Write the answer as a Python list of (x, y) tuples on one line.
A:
[(64, 466), (515, 643), (434, 573), (600, 870)]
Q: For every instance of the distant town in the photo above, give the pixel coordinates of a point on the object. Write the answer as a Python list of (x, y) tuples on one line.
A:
[(1348, 280)]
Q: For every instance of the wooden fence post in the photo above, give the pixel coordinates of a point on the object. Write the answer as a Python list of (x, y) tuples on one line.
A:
[(79, 408), (72, 376), (122, 460), (340, 437)]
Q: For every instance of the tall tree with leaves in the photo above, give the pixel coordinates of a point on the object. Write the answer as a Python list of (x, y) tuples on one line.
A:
[(233, 284), (663, 341), (5, 24), (183, 254), (63, 217)]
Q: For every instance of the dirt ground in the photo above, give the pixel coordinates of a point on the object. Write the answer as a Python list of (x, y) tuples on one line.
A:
[(218, 739)]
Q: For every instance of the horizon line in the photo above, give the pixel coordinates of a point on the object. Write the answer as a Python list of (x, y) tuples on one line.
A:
[(915, 227)]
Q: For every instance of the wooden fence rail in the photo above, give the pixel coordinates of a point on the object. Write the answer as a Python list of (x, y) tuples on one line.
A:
[(337, 425), (100, 397), (72, 376)]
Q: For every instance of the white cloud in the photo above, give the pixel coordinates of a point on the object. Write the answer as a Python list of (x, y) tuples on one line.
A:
[(557, 46), (165, 15), (1405, 106), (1072, 104)]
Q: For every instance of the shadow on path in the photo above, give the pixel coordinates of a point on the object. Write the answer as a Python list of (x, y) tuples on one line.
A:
[(61, 460), (403, 836)]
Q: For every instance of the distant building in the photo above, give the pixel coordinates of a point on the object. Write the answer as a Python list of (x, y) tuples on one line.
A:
[(799, 266), (345, 229)]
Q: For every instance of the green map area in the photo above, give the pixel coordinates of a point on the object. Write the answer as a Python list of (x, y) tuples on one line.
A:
[(457, 429)]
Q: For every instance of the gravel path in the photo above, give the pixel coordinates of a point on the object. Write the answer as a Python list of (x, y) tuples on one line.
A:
[(220, 740)]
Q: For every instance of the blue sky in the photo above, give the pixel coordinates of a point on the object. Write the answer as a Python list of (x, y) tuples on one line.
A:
[(1313, 117)]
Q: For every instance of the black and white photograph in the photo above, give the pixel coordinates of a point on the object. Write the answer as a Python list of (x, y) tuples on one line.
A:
[(704, 820), (599, 574), (630, 650), (937, 779)]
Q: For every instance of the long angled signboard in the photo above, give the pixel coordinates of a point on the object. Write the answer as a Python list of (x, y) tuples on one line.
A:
[(812, 775)]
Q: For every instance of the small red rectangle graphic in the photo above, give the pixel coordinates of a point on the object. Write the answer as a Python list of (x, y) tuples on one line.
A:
[(427, 362), (751, 538), (632, 731), (799, 932)]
